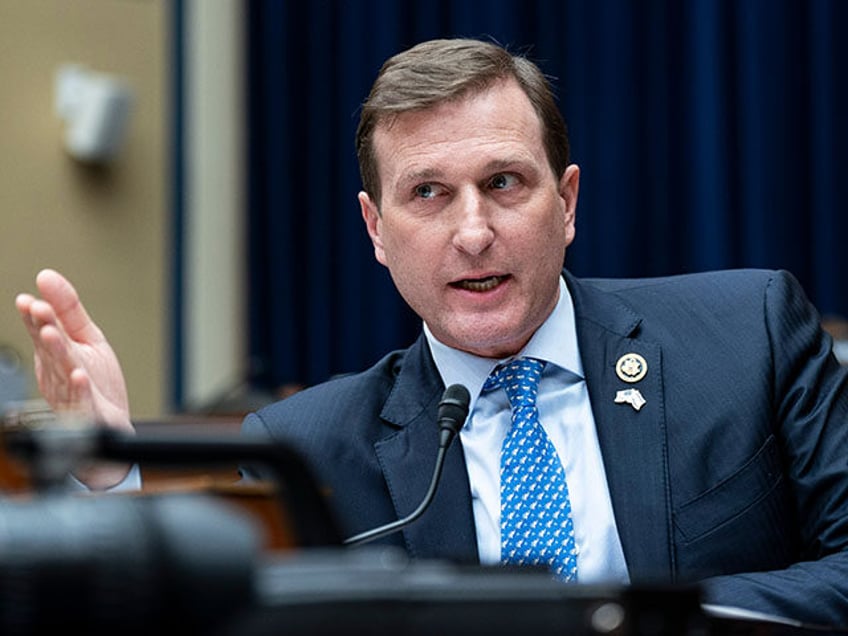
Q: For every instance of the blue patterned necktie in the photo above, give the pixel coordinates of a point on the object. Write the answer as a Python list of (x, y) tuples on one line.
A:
[(536, 525)]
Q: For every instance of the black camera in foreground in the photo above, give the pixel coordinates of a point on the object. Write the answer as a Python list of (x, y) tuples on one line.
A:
[(195, 564), (191, 564)]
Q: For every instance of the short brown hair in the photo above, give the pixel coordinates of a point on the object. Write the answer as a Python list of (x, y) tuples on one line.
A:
[(437, 71)]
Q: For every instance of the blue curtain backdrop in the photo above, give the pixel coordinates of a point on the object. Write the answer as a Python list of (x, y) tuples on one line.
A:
[(710, 134)]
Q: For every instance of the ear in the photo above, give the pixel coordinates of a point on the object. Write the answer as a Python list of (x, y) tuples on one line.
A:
[(373, 223), (569, 185)]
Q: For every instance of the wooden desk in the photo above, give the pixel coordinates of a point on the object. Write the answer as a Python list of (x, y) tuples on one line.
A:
[(259, 500), (14, 477), (155, 478)]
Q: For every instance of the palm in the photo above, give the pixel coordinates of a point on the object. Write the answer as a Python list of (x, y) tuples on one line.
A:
[(101, 393)]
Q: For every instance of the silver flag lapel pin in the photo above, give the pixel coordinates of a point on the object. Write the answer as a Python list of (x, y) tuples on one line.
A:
[(630, 396)]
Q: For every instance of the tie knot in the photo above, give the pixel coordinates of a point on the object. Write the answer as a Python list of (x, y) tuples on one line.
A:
[(519, 378)]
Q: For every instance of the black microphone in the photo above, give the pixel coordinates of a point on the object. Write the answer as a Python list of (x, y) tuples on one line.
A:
[(453, 409)]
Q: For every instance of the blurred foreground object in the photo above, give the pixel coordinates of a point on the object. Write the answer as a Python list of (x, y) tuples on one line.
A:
[(837, 327), (125, 565)]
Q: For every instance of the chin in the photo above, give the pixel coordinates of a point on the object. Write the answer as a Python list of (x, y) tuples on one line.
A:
[(490, 334), (494, 345)]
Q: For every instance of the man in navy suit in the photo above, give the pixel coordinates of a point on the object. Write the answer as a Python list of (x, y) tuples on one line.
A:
[(701, 421)]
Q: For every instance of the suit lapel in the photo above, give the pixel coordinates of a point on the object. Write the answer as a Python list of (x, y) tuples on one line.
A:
[(407, 456), (633, 442)]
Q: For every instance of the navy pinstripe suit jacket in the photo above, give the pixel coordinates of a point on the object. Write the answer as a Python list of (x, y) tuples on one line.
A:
[(734, 473)]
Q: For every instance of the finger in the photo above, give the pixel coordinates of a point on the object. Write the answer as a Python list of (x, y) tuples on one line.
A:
[(23, 303), (52, 362), (51, 385), (54, 366), (56, 347), (34, 313), (68, 393), (41, 315), (80, 393), (69, 311)]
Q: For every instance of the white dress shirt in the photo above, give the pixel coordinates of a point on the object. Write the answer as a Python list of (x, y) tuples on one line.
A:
[(130, 483), (566, 416)]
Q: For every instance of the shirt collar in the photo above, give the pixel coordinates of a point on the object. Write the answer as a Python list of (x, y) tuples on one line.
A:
[(555, 341)]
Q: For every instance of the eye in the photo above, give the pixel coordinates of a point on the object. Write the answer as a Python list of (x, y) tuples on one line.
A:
[(425, 191), (503, 181)]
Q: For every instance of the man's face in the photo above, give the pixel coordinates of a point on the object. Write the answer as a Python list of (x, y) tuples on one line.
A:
[(473, 224)]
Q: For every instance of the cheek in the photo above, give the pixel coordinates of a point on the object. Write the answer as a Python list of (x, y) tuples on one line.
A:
[(400, 250), (415, 258), (545, 235), (414, 242)]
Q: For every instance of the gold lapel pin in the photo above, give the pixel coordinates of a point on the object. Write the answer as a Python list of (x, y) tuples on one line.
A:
[(631, 367), (630, 396)]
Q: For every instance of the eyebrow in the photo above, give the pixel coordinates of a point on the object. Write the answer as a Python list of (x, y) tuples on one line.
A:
[(434, 174), (497, 165), (418, 176)]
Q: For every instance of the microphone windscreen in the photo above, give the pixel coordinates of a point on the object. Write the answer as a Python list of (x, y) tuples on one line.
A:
[(453, 408)]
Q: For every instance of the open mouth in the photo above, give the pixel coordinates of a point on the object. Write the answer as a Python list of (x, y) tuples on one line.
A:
[(479, 284)]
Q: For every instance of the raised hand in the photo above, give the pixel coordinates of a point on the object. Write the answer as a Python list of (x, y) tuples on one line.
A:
[(76, 368)]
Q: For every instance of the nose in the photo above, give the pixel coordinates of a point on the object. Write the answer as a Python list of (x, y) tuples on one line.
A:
[(474, 232)]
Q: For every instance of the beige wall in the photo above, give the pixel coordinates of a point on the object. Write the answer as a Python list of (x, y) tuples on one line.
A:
[(107, 229), (214, 291)]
